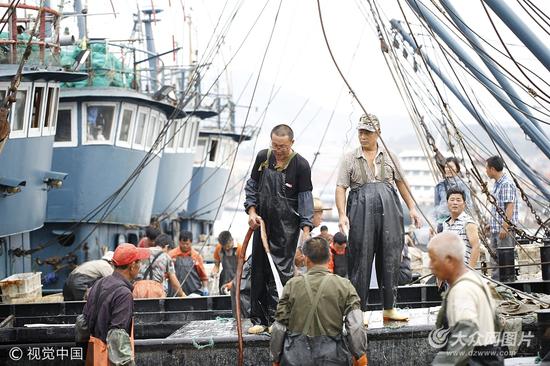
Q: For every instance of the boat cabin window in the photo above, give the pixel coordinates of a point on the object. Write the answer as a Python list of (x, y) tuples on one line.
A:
[(213, 150), (65, 133), (181, 135), (36, 109), (186, 134), (141, 128), (51, 109), (230, 147), (99, 123), (189, 136), (18, 113), (152, 131), (194, 134), (126, 125), (172, 135), (201, 151), (224, 152), (161, 127)]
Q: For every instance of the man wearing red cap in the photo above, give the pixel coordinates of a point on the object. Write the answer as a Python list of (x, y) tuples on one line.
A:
[(109, 310)]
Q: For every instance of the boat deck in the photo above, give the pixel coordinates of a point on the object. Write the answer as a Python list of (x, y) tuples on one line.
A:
[(213, 341)]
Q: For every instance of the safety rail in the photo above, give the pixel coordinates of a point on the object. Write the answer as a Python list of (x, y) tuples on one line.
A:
[(15, 43)]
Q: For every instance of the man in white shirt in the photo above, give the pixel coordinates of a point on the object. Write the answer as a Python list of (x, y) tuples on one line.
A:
[(84, 276), (467, 310)]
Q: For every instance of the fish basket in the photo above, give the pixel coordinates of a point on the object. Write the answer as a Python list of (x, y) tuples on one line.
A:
[(17, 285), (23, 297)]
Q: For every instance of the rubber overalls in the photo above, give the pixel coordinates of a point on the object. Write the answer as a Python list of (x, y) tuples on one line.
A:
[(376, 229), (300, 349), (340, 264), (282, 220), (187, 274), (229, 267)]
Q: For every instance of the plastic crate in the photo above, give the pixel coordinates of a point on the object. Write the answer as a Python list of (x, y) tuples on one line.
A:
[(23, 297), (20, 283)]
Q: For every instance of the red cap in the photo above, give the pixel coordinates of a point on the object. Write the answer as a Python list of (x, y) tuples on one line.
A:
[(128, 253)]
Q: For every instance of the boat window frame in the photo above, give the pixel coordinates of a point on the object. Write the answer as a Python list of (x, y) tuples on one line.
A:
[(180, 148), (6, 86), (73, 107), (156, 115), (174, 123), (21, 133), (84, 122), (147, 112), (187, 130), (201, 161), (229, 151), (162, 120), (53, 112), (225, 159), (37, 131), (213, 162), (134, 108), (195, 132)]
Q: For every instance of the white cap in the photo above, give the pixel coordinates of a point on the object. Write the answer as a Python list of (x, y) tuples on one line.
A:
[(108, 256)]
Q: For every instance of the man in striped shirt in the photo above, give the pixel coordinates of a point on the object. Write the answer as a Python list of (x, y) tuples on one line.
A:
[(462, 224), (505, 193)]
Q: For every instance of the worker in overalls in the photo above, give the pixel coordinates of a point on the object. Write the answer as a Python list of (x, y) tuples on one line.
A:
[(189, 266), (109, 310), (338, 263), (82, 278), (279, 192), (225, 254), (312, 313), (373, 214)]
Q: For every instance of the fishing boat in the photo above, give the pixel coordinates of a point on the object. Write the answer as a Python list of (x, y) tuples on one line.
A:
[(135, 147)]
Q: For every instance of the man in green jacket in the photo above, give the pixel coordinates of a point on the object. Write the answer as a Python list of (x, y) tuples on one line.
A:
[(312, 312)]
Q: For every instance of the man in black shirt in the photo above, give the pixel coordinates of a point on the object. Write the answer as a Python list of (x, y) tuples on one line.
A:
[(278, 192)]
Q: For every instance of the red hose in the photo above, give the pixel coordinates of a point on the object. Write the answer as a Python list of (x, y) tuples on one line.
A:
[(240, 264)]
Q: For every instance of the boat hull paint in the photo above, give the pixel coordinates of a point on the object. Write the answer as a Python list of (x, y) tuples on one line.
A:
[(25, 159), (173, 183), (95, 172), (206, 190)]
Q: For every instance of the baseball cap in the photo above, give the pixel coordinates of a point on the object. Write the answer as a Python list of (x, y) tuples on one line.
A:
[(318, 205), (340, 238), (128, 253), (368, 122)]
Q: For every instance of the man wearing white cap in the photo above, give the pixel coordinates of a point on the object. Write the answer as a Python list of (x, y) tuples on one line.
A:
[(373, 214), (85, 275)]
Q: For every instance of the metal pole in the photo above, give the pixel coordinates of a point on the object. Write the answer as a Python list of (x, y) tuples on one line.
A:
[(541, 141), (492, 66), (48, 28), (151, 46), (518, 160), (521, 30), (80, 20)]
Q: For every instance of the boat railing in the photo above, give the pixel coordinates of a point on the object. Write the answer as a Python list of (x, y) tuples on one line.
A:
[(15, 40)]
